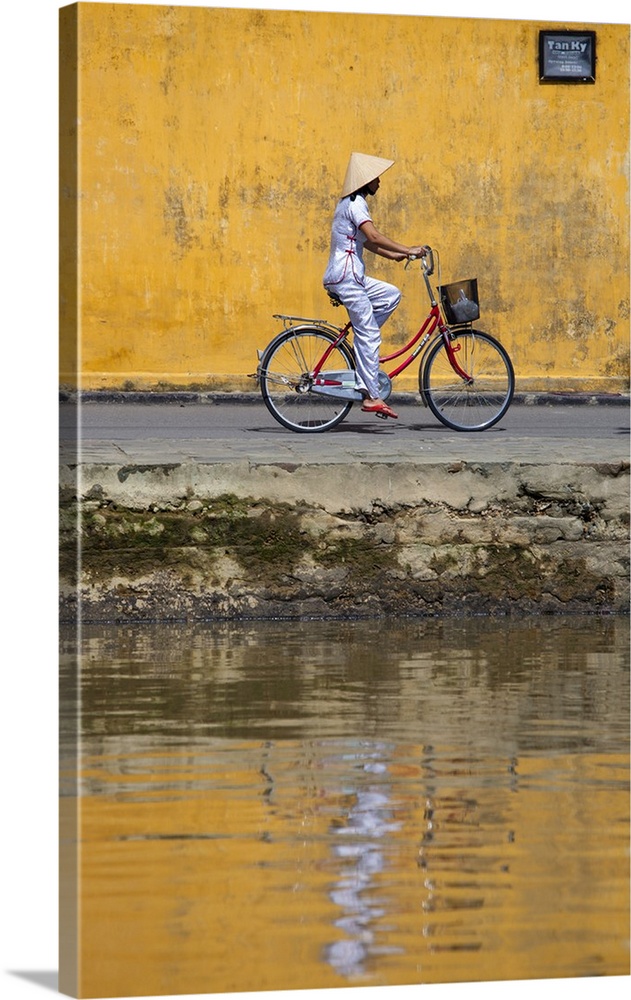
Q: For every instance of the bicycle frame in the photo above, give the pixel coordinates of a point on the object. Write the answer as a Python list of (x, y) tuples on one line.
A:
[(433, 321)]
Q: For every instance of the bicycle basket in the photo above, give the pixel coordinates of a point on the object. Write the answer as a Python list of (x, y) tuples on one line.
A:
[(460, 300)]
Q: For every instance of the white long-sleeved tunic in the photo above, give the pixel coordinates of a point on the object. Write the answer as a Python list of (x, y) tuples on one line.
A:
[(347, 242)]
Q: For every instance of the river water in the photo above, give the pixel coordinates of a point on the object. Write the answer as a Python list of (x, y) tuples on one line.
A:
[(286, 805)]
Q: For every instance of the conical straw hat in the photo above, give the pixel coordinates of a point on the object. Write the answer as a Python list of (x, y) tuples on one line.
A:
[(361, 170)]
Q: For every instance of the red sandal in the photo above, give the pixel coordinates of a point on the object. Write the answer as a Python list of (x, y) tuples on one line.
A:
[(380, 409)]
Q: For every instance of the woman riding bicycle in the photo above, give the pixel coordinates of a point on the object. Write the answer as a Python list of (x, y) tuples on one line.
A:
[(369, 302)]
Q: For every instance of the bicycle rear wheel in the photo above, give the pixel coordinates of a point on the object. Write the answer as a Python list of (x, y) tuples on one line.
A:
[(285, 380), (477, 403)]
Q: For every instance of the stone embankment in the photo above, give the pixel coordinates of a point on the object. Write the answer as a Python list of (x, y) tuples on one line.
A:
[(248, 540)]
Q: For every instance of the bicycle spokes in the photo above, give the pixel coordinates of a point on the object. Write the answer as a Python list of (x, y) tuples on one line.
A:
[(471, 388), (290, 392)]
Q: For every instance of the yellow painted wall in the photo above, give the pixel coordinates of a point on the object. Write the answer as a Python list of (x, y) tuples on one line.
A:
[(210, 149)]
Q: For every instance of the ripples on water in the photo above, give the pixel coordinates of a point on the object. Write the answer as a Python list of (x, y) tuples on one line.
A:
[(289, 805)]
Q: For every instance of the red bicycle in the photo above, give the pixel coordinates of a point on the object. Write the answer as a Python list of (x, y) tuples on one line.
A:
[(466, 378)]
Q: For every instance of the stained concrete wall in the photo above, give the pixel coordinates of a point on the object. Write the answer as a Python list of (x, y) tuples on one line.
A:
[(255, 540), (202, 153)]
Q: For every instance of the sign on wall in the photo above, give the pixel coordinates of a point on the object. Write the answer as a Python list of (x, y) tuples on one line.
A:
[(567, 56)]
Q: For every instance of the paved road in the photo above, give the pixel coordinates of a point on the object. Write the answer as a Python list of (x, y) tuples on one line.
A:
[(221, 431)]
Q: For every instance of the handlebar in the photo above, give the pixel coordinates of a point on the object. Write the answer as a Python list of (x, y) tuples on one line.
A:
[(427, 268), (427, 260)]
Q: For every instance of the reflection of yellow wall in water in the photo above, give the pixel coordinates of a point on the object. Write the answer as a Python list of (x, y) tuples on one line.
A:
[(199, 911), (223, 891), (212, 145)]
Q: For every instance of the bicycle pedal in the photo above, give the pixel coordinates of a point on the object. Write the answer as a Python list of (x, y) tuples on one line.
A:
[(382, 416)]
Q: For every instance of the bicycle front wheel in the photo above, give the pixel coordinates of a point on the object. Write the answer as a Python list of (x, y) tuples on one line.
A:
[(286, 377), (480, 400)]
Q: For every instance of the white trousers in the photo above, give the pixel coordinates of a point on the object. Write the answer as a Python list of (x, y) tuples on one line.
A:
[(368, 307)]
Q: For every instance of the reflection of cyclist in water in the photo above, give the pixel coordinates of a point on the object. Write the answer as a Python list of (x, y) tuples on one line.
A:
[(369, 302), (362, 851)]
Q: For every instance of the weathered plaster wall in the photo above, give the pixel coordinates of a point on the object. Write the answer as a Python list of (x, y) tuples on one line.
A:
[(209, 146)]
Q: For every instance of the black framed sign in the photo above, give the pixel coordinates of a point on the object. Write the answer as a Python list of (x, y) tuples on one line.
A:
[(567, 56)]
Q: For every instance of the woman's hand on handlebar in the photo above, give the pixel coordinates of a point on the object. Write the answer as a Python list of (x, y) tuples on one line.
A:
[(426, 255), (419, 251)]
